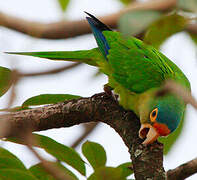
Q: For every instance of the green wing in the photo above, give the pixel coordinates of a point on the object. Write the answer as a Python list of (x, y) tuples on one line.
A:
[(136, 66)]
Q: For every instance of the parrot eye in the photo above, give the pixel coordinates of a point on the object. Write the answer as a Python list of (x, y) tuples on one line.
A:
[(153, 115)]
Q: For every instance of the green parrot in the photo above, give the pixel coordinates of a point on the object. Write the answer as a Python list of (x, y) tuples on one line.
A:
[(136, 71)]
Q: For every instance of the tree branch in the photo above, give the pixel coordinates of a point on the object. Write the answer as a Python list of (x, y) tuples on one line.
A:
[(67, 29), (88, 129), (50, 72), (183, 171), (147, 160)]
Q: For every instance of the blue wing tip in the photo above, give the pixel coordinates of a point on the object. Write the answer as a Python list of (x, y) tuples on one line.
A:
[(97, 23), (98, 27)]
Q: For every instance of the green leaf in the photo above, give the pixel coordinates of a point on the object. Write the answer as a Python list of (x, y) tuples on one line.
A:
[(15, 109), (126, 171), (9, 160), (39, 172), (5, 80), (162, 29), (48, 99), (10, 163), (94, 153), (126, 2), (63, 4), (189, 5), (106, 173), (60, 151), (135, 22), (15, 174), (193, 37), (170, 140)]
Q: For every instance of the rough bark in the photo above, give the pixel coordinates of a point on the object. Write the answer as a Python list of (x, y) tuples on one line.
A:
[(183, 171), (147, 160)]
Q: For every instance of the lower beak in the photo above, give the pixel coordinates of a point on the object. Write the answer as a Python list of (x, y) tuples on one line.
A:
[(149, 132)]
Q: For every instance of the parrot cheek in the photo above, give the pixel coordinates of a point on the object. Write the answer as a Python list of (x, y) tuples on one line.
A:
[(149, 132), (162, 129)]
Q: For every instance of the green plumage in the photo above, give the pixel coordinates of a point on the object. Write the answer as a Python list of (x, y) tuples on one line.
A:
[(133, 67), (135, 71)]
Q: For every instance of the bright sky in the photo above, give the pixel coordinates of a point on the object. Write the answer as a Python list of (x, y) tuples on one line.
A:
[(79, 81)]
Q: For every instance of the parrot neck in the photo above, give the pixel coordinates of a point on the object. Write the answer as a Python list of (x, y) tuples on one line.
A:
[(142, 104)]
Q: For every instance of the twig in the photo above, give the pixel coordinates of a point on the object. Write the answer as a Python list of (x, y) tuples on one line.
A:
[(49, 72), (15, 77), (89, 128), (67, 29), (183, 171), (173, 87), (192, 28), (50, 168)]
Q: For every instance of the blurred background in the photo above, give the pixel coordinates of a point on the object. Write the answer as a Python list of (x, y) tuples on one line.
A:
[(82, 80)]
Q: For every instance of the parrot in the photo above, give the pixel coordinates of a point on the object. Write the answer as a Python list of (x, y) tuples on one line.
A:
[(136, 72)]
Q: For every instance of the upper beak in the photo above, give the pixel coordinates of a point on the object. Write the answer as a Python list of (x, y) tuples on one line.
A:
[(149, 132)]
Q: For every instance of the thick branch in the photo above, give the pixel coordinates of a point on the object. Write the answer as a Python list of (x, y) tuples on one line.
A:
[(67, 29), (183, 171), (147, 160)]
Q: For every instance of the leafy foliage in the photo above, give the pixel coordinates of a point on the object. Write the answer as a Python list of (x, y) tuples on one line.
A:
[(63, 4), (5, 80), (126, 169), (188, 5), (106, 173), (126, 2), (48, 99), (193, 37), (163, 28), (42, 99), (39, 172), (59, 151), (9, 160), (135, 22), (94, 153), (15, 174), (91, 150)]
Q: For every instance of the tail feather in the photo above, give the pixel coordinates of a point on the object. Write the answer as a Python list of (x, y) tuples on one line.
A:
[(90, 57), (98, 27), (85, 56)]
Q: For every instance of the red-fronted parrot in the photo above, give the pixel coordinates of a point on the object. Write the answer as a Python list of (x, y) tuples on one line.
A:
[(136, 72)]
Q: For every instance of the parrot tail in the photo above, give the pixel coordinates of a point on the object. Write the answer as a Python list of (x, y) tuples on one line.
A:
[(84, 56), (97, 28), (91, 57)]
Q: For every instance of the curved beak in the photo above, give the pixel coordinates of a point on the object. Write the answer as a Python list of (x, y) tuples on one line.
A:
[(149, 132)]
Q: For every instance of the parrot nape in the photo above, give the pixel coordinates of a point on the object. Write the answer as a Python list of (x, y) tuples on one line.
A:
[(136, 72)]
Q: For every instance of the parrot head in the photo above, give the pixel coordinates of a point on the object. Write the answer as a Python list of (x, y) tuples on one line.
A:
[(159, 116)]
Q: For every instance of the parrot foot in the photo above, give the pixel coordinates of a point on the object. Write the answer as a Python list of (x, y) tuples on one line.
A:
[(109, 91)]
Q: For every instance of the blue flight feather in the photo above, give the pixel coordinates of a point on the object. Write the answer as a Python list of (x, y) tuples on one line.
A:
[(97, 28)]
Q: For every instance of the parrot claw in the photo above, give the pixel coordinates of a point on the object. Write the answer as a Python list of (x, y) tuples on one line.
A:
[(149, 132), (110, 92)]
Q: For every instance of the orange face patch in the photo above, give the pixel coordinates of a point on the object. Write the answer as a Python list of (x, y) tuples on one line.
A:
[(162, 129)]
